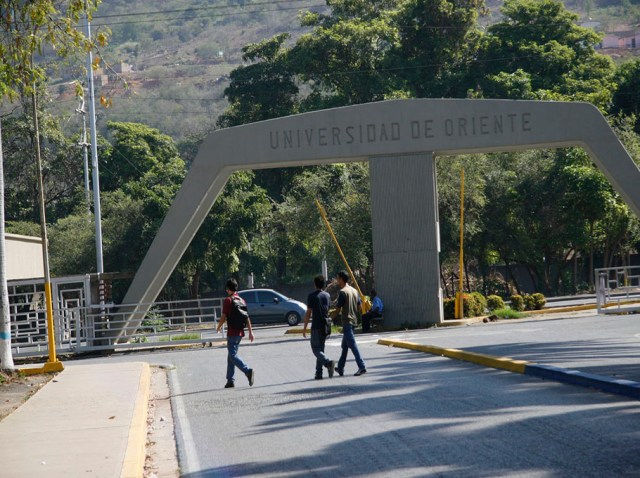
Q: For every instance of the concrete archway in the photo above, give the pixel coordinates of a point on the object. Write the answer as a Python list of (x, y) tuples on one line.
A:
[(400, 139)]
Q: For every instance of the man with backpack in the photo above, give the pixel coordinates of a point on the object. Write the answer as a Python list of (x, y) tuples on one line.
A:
[(234, 314), (347, 309), (318, 307)]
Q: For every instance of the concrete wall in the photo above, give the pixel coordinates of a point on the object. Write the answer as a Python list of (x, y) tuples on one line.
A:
[(404, 216), (24, 257)]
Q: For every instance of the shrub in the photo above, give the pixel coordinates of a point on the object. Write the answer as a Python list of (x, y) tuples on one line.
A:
[(495, 302), (506, 313), (517, 302), (474, 305), (529, 303), (469, 305), (480, 304), (449, 307), (538, 300)]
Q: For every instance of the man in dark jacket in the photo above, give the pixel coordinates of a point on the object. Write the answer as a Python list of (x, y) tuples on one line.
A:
[(318, 309)]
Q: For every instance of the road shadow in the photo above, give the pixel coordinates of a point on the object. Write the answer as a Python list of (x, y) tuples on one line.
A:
[(439, 423)]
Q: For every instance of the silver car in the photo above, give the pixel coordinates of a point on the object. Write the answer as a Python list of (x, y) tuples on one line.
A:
[(267, 305)]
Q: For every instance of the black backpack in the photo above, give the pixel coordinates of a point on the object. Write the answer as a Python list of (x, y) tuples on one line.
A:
[(239, 316)]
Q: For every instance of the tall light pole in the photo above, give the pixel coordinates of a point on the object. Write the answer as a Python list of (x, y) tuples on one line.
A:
[(459, 304), (94, 158), (85, 155), (53, 364)]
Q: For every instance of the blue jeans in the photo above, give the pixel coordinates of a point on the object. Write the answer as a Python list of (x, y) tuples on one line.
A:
[(349, 342), (317, 347), (232, 358)]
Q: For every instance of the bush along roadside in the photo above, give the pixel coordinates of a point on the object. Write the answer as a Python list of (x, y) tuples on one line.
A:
[(476, 305)]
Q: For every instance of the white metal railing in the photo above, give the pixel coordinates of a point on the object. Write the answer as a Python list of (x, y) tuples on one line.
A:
[(81, 329), (618, 289)]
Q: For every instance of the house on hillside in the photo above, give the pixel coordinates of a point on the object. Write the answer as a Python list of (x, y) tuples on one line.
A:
[(623, 40), (122, 67)]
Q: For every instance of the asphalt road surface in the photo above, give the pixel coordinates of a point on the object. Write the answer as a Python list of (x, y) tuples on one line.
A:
[(411, 415)]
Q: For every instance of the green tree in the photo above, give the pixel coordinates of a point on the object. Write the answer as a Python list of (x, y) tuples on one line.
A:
[(27, 28), (449, 183), (539, 46), (437, 39), (626, 99), (136, 149), (61, 161), (342, 60), (295, 226), (236, 217), (263, 89)]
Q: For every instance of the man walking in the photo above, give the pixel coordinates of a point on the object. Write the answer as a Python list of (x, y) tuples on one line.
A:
[(347, 310), (318, 308), (235, 334), (374, 313)]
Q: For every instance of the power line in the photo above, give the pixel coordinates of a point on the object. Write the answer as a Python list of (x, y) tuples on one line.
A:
[(244, 12), (196, 9)]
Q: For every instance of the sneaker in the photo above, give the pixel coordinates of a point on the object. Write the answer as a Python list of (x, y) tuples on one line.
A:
[(251, 376), (229, 385), (340, 371), (331, 368), (362, 371)]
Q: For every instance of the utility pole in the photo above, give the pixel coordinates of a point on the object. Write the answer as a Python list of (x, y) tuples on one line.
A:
[(94, 158), (459, 304), (53, 364), (85, 149)]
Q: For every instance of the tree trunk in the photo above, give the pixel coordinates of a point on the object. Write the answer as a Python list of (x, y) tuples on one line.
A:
[(195, 285), (6, 359), (591, 256), (513, 278), (443, 281), (465, 264)]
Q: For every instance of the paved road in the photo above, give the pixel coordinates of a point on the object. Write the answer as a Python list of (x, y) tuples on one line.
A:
[(412, 415)]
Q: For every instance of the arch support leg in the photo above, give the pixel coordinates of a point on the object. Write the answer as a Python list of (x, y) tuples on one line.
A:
[(406, 245)]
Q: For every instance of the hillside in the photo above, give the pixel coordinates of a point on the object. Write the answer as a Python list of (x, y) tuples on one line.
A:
[(168, 62)]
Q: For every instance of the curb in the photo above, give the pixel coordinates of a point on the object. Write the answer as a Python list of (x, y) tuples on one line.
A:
[(134, 458), (627, 388)]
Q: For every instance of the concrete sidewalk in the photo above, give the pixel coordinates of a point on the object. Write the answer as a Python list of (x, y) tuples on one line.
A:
[(90, 420)]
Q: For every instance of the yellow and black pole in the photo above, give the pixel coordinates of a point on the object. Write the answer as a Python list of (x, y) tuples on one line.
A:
[(459, 305), (366, 305), (53, 364)]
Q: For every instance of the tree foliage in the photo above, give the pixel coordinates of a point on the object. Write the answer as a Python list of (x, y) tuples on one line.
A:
[(537, 50)]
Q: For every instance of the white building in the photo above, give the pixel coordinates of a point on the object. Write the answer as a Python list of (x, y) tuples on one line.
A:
[(24, 257)]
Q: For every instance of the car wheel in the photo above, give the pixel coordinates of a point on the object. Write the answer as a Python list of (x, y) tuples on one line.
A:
[(292, 318)]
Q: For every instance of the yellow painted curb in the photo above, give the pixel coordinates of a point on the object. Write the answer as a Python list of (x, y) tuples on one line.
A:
[(552, 310), (577, 308), (134, 458), (503, 363), (48, 367), (294, 331)]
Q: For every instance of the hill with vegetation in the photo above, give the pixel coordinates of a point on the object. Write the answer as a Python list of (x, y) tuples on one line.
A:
[(551, 214), (167, 64)]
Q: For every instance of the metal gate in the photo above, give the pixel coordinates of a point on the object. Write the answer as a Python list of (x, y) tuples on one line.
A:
[(618, 289), (83, 327)]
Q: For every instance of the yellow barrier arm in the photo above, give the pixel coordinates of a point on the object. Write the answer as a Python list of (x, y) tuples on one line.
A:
[(366, 305)]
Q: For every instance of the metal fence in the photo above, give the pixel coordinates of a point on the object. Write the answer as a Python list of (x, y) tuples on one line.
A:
[(80, 327), (618, 289)]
